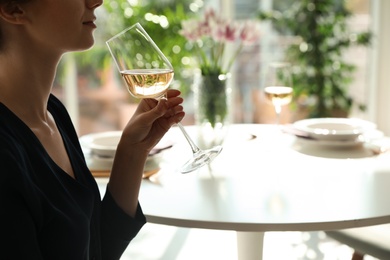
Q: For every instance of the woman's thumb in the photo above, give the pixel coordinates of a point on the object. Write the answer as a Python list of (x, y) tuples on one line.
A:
[(159, 110)]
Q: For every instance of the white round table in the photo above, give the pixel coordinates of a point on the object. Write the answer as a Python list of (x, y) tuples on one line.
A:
[(274, 182)]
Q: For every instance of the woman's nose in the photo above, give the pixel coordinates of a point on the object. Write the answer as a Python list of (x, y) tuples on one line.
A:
[(94, 3)]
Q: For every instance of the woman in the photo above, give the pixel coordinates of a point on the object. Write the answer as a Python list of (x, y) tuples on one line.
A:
[(50, 207)]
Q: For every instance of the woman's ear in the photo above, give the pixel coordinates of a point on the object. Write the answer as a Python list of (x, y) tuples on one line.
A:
[(12, 12)]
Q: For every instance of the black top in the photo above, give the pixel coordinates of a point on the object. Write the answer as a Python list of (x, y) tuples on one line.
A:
[(44, 212)]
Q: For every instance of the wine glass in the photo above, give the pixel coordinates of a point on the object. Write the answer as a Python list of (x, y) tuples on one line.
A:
[(148, 73), (278, 86)]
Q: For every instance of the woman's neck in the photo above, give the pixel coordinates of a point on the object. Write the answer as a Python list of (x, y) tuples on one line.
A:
[(25, 84)]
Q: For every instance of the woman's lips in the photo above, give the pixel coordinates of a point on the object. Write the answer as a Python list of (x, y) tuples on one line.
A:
[(90, 23)]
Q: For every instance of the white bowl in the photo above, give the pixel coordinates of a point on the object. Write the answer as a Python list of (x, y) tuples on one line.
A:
[(336, 129), (104, 144)]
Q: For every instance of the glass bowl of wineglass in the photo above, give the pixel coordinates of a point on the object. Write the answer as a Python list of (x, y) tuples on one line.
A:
[(148, 73), (278, 87)]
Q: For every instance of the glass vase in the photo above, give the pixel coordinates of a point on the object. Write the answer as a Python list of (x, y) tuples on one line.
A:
[(212, 109)]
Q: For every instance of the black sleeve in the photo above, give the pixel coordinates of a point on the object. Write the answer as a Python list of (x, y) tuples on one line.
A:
[(117, 228)]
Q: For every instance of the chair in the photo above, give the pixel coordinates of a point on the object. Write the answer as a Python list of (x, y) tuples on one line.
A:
[(373, 241)]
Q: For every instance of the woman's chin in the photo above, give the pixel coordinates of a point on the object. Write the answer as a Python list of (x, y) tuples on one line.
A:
[(86, 45)]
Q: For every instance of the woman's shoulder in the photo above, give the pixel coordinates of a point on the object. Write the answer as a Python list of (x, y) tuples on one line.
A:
[(11, 145), (12, 158), (11, 128)]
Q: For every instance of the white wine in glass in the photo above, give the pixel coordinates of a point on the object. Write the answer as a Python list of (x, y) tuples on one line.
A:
[(278, 86), (148, 74), (151, 83)]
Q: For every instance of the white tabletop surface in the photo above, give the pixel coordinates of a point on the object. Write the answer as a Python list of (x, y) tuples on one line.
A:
[(274, 182)]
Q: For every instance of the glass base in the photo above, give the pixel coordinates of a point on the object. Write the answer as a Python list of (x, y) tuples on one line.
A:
[(200, 159)]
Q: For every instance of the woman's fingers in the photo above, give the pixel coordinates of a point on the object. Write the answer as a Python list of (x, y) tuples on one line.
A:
[(173, 93)]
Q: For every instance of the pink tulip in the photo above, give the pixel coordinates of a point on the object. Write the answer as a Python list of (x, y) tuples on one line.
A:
[(190, 30), (220, 31), (250, 33)]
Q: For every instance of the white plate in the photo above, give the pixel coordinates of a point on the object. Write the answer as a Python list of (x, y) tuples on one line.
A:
[(104, 144), (97, 163), (99, 150), (332, 143), (334, 129)]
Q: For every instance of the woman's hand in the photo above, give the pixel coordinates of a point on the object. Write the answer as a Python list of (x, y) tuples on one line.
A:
[(152, 120)]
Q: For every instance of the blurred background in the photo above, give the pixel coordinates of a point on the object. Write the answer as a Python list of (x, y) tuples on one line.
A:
[(354, 57)]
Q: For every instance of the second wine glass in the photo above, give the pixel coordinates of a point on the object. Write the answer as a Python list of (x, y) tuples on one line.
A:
[(148, 74), (278, 86)]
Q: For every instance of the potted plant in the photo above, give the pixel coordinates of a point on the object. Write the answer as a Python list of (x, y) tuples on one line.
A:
[(321, 35)]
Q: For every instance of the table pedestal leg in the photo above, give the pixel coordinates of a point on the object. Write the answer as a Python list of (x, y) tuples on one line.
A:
[(250, 245)]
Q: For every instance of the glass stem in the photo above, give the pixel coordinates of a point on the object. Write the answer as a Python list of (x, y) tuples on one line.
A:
[(278, 110), (194, 147)]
